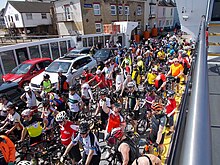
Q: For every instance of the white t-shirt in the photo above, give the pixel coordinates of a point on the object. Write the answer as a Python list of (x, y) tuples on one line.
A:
[(15, 118), (3, 108), (86, 143), (107, 72), (74, 102), (86, 91), (119, 81), (107, 100), (31, 100)]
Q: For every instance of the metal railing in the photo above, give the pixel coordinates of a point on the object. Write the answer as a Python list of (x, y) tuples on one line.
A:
[(191, 143)]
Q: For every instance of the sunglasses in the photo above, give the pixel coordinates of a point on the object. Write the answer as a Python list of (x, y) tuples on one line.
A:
[(83, 133)]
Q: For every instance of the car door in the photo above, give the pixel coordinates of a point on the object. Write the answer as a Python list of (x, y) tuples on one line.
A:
[(77, 69)]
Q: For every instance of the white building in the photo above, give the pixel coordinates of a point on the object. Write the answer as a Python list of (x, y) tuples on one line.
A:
[(165, 15), (28, 17)]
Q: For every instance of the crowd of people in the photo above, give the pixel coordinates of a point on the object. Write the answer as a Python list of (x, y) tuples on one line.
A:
[(159, 66)]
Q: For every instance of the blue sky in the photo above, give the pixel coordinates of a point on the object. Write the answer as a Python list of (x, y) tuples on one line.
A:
[(3, 3)]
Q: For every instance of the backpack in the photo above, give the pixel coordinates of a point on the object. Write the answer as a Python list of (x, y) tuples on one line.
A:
[(92, 139)]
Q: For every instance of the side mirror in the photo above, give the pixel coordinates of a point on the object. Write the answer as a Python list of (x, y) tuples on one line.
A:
[(74, 70)]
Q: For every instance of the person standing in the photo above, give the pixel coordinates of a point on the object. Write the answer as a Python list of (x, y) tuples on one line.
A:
[(63, 85)]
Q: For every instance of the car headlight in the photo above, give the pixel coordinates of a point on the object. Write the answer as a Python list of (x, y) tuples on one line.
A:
[(17, 80)]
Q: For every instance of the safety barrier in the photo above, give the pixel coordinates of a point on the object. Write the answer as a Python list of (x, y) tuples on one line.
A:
[(191, 143)]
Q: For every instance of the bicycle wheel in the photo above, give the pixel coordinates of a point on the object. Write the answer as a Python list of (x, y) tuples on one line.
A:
[(142, 126)]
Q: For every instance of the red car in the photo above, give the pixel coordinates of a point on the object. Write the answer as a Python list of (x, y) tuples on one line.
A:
[(24, 72)]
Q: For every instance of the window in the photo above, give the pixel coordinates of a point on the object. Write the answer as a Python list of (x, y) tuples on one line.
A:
[(98, 27), (96, 8), (139, 25), (167, 22), (67, 12), (29, 16), (171, 23), (126, 10), (120, 10), (16, 17), (139, 12), (164, 11), (171, 11), (43, 15), (113, 10)]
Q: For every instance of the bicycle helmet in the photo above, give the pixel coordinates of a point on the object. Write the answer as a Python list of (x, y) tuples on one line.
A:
[(131, 85), (151, 89), (84, 128), (139, 57), (26, 112), (72, 88), (98, 72), (117, 133), (46, 76), (135, 66), (27, 88), (103, 92), (170, 93), (61, 116), (25, 162)]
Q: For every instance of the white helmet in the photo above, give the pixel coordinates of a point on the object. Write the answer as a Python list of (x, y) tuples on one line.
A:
[(139, 57), (131, 84), (61, 116), (27, 88), (25, 162), (26, 112)]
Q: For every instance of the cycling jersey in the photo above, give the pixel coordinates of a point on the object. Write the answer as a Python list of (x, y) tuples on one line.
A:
[(151, 78), (136, 76), (74, 102), (132, 97), (101, 78), (113, 121), (170, 106), (107, 71), (161, 55), (140, 65), (68, 132), (3, 108), (176, 69), (90, 142), (119, 81), (160, 79), (87, 75), (46, 85), (33, 126), (156, 121)]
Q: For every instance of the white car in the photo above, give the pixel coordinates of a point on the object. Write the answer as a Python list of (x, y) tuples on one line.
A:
[(71, 66)]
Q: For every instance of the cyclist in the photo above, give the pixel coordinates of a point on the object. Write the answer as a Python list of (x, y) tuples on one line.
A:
[(89, 141), (108, 71), (158, 123), (125, 87), (29, 97), (160, 81), (12, 122), (147, 159), (170, 110), (151, 76), (68, 131), (87, 74), (46, 85), (100, 80), (4, 102), (32, 126), (86, 92), (140, 64), (176, 70), (132, 104), (135, 75), (104, 115), (74, 103), (7, 150), (62, 85), (125, 148)]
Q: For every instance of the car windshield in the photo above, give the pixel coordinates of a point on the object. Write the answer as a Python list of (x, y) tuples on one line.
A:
[(21, 69), (102, 54), (56, 65)]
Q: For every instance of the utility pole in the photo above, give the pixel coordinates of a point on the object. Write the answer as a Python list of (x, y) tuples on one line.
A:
[(117, 14)]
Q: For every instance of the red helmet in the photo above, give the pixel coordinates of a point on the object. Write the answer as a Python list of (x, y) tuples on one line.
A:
[(117, 133)]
